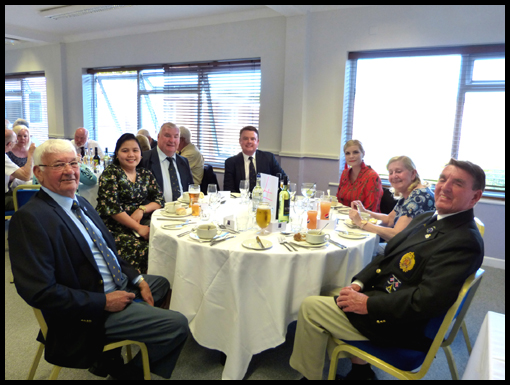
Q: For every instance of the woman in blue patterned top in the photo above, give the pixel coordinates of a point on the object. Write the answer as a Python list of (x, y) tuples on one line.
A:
[(413, 198)]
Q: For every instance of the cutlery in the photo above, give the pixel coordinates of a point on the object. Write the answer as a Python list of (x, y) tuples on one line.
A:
[(338, 244), (281, 239), (352, 232), (326, 225), (172, 219), (183, 234), (221, 240), (260, 242), (223, 227)]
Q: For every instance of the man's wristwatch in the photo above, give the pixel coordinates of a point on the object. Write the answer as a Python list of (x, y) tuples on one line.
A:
[(143, 208), (140, 281)]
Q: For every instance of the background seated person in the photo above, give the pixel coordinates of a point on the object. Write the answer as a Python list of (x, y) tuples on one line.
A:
[(171, 170), (19, 152), (419, 276), (125, 198), (14, 173), (359, 182), (191, 152), (81, 140), (241, 167), (59, 268), (413, 196)]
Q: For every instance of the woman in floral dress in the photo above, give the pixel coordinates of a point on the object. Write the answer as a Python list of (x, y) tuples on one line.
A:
[(126, 198)]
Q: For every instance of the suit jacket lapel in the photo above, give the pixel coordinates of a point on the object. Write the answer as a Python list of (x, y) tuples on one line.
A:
[(155, 167), (240, 167)]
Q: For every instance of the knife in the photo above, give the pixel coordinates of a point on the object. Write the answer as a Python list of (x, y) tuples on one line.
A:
[(337, 244), (260, 242)]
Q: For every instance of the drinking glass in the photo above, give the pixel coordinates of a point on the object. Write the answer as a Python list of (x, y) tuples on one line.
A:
[(325, 206), (292, 191), (244, 186), (263, 217), (308, 190), (194, 193), (214, 199), (312, 214), (298, 208)]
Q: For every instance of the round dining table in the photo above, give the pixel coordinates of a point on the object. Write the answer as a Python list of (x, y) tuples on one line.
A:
[(240, 300)]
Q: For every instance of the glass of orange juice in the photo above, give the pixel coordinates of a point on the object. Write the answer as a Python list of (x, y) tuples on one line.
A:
[(325, 206), (195, 209), (263, 217), (311, 222)]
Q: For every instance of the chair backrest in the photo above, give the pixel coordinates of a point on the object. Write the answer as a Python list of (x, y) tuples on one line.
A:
[(387, 201), (22, 194), (480, 225), (208, 178)]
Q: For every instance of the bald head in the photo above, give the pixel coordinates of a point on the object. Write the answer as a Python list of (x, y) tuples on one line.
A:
[(81, 135)]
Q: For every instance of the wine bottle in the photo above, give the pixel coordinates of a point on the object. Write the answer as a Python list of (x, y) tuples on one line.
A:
[(96, 160), (106, 158), (280, 188), (284, 200)]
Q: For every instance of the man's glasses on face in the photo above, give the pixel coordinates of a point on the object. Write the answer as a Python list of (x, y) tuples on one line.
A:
[(60, 166)]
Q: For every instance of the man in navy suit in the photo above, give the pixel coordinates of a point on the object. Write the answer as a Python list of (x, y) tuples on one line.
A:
[(157, 160), (237, 168), (418, 278), (59, 268)]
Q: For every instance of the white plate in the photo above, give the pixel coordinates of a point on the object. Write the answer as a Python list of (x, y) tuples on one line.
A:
[(350, 223), (197, 238), (180, 200), (309, 245), (253, 244), (352, 235), (168, 215)]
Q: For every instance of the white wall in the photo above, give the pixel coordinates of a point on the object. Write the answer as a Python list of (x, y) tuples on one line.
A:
[(303, 69)]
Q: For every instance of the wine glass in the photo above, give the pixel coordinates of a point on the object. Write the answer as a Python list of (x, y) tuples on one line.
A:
[(244, 186), (299, 209), (214, 199), (308, 190), (263, 217), (292, 191)]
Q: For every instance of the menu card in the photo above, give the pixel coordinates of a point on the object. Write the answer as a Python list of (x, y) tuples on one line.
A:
[(269, 185)]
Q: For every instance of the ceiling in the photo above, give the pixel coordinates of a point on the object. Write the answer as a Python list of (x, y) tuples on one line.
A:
[(26, 26)]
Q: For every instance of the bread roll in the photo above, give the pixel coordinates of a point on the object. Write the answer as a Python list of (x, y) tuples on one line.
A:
[(180, 211)]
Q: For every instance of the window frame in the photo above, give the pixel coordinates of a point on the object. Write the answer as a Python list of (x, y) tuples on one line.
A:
[(469, 54)]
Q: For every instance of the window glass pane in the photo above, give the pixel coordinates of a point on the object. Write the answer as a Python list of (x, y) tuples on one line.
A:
[(406, 106), (489, 70), (483, 134)]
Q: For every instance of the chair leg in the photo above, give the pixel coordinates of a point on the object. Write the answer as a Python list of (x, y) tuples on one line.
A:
[(451, 362), (466, 337), (333, 364), (145, 361), (128, 352), (55, 372), (35, 363)]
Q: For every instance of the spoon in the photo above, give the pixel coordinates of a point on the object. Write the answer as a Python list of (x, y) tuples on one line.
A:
[(320, 232)]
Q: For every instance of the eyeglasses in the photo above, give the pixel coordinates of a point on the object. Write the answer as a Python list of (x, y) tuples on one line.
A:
[(60, 166)]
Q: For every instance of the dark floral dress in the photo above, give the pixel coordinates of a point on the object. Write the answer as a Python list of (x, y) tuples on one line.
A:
[(118, 194)]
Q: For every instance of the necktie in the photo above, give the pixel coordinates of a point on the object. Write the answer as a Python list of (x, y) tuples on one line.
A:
[(112, 263), (174, 182), (253, 174)]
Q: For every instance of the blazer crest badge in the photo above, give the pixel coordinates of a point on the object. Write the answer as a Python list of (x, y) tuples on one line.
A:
[(407, 262)]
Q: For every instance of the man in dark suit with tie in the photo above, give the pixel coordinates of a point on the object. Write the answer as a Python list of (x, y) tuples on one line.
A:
[(249, 162), (172, 171), (65, 263), (418, 277)]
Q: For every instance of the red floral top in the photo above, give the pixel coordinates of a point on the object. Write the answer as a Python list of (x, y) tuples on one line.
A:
[(367, 188)]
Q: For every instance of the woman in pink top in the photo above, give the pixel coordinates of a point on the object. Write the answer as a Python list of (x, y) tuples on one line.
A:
[(358, 181)]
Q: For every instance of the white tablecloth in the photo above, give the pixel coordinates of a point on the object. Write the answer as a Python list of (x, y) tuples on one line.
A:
[(240, 301), (487, 360)]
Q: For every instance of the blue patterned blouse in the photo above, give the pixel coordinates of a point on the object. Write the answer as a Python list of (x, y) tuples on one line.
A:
[(419, 201)]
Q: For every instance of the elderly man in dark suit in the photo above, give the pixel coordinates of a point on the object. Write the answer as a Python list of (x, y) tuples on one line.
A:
[(64, 262), (418, 277), (249, 162), (172, 171)]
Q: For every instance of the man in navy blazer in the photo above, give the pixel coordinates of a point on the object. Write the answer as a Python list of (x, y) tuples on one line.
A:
[(237, 167), (418, 278), (58, 269), (157, 161)]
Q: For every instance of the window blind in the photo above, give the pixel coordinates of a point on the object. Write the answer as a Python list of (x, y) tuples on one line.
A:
[(25, 97), (214, 100)]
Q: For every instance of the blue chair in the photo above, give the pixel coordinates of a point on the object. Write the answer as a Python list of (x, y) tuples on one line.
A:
[(22, 194), (403, 363)]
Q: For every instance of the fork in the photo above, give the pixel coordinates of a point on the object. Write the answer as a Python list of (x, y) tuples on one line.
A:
[(281, 239)]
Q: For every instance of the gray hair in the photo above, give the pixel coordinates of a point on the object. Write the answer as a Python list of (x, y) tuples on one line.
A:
[(52, 146), (185, 133)]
